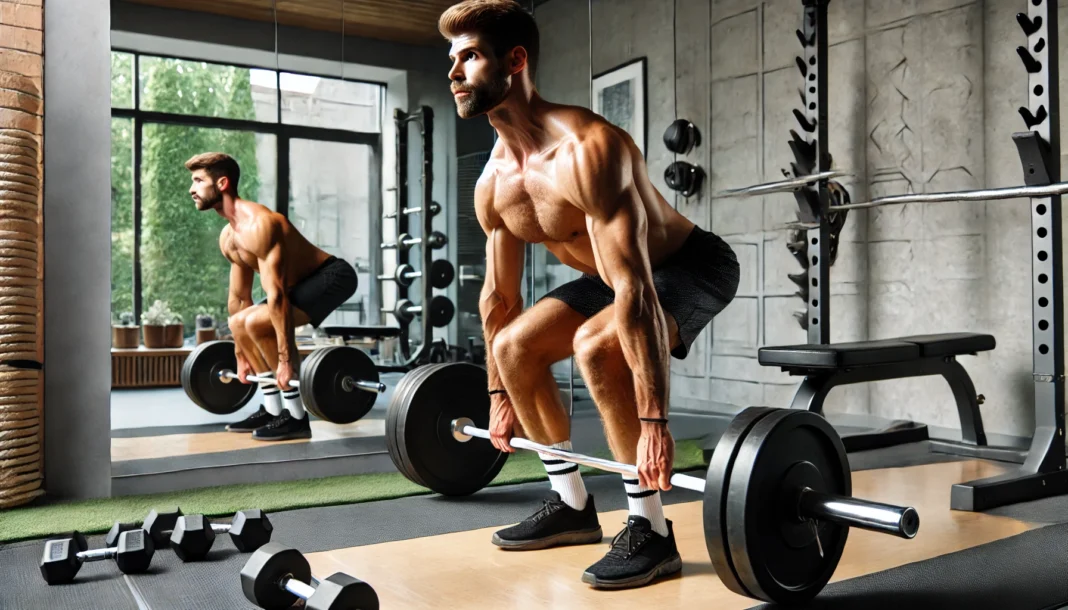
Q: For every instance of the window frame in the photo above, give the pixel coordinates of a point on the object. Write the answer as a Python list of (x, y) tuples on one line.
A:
[(283, 133)]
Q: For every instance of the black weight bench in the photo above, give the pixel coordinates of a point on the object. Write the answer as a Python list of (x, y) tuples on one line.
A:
[(825, 366)]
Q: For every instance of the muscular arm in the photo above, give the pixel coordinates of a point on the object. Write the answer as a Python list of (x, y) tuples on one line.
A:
[(240, 293), (600, 182), (501, 300), (271, 251)]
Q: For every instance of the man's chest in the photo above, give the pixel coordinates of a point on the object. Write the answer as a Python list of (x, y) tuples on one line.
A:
[(534, 207)]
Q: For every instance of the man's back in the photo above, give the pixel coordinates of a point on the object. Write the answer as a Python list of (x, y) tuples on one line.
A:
[(258, 230)]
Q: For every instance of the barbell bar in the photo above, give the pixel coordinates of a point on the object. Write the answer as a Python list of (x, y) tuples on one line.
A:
[(347, 382), (781, 186), (900, 521), (1012, 192)]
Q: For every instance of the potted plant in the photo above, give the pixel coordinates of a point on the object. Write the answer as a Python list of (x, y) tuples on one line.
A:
[(175, 331), (205, 326), (124, 332), (154, 324)]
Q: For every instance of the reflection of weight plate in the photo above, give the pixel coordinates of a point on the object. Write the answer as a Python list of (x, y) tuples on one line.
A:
[(201, 381), (326, 384), (441, 273), (423, 440)]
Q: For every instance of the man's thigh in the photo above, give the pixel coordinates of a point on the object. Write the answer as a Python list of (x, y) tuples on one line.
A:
[(547, 329)]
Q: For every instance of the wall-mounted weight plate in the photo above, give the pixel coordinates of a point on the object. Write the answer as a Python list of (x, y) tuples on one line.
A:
[(422, 440), (200, 379), (323, 384), (441, 311), (776, 555), (441, 273)]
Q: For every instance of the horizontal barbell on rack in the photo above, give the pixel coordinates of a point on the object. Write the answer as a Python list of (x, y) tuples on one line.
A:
[(441, 311), (1012, 192), (404, 241), (777, 504), (329, 380), (441, 274), (781, 186), (435, 209)]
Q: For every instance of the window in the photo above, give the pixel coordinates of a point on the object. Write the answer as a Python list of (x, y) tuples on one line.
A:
[(312, 161)]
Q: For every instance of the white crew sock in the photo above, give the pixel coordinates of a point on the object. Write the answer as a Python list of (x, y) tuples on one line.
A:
[(645, 502), (293, 402), (272, 397), (564, 478)]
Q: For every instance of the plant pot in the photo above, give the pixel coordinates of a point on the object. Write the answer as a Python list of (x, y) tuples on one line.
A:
[(125, 337), (205, 334), (154, 336), (174, 335)]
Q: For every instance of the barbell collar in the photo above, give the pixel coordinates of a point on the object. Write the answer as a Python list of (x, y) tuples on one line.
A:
[(464, 427), (900, 521)]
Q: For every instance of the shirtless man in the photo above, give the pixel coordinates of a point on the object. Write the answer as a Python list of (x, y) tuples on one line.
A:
[(303, 285), (565, 177)]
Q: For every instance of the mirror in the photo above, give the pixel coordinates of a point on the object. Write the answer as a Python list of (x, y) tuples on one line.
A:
[(326, 110)]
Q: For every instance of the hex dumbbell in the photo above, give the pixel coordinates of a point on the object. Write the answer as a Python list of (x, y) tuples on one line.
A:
[(63, 558), (276, 576)]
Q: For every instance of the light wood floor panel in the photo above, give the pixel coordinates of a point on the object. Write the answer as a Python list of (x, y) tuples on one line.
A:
[(171, 445), (463, 570)]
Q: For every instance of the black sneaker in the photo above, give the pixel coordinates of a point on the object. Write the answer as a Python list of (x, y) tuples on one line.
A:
[(555, 524), (250, 423), (283, 428), (637, 557)]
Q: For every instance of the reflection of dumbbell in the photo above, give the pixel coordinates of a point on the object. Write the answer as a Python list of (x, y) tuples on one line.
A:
[(404, 241), (441, 274), (435, 209), (441, 311), (276, 576), (63, 558)]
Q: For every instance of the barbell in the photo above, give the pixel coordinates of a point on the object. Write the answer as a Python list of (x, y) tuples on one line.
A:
[(777, 505), (339, 383)]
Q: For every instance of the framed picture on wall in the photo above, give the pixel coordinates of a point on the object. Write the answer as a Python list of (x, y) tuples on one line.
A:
[(619, 95)]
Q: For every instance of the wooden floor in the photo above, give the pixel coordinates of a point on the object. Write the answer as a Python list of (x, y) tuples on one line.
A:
[(464, 570), (172, 445)]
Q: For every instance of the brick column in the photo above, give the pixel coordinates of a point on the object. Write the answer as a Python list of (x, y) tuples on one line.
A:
[(21, 266)]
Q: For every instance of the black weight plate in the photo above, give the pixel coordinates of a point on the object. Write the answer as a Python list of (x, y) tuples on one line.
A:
[(772, 562), (441, 273), (441, 311), (716, 480), (394, 417), (424, 435), (305, 366), (200, 379), (322, 384)]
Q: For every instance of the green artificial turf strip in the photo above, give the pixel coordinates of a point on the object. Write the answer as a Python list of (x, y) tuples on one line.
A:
[(97, 516)]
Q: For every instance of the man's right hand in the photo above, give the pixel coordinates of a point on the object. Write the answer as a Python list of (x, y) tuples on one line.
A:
[(243, 367), (503, 422)]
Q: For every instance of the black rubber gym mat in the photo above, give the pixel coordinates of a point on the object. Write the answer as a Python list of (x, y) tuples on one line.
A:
[(1028, 571)]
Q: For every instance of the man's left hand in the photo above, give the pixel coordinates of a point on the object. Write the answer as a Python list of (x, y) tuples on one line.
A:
[(656, 456), (284, 375)]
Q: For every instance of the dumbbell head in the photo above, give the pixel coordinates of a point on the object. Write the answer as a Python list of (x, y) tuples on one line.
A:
[(134, 553), (437, 240), (192, 537), (341, 592), (60, 562), (263, 573), (441, 273), (112, 539), (250, 529), (159, 524)]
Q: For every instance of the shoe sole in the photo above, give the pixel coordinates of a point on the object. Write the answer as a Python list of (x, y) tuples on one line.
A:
[(287, 437), (244, 430), (669, 566), (562, 539)]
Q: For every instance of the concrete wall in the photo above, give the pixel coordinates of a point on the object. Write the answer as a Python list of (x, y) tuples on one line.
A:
[(77, 242), (923, 98)]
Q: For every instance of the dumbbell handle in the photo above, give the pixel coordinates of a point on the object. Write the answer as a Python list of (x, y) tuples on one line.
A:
[(98, 554), (347, 383), (299, 588), (899, 521)]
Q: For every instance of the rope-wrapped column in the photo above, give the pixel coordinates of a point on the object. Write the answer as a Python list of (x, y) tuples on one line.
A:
[(21, 270)]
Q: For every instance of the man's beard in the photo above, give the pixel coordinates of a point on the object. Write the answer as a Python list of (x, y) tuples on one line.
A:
[(482, 98), (209, 200)]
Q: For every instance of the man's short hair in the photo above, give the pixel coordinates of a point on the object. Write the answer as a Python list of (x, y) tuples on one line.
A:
[(505, 24), (217, 166)]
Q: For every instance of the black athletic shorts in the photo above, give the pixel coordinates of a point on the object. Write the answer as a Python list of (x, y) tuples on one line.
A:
[(693, 285), (324, 289)]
